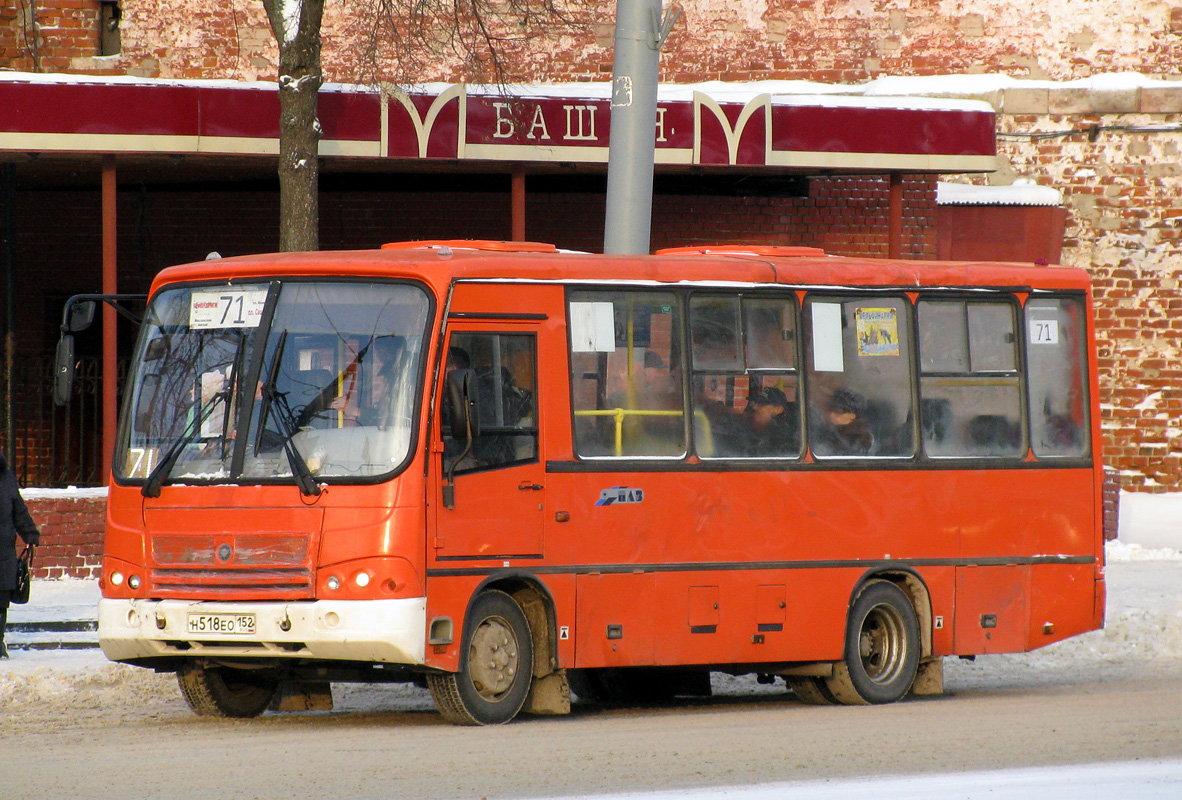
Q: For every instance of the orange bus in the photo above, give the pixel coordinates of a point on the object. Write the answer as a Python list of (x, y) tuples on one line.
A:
[(505, 471)]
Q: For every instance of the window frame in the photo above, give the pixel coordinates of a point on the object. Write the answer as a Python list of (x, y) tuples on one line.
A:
[(906, 317), (1018, 373), (791, 299), (1083, 354), (679, 345)]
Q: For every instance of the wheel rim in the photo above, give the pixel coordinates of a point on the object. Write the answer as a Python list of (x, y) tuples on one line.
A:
[(882, 644), (493, 659)]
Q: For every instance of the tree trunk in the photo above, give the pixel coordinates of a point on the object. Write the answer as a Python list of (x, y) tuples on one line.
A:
[(298, 37)]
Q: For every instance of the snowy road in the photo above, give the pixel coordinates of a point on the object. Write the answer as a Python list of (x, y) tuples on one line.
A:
[(72, 725)]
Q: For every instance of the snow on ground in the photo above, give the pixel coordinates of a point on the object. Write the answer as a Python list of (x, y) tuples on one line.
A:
[(1143, 780)]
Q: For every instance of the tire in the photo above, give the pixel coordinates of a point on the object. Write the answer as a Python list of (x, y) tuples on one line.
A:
[(881, 648), (496, 665), (811, 691), (225, 692)]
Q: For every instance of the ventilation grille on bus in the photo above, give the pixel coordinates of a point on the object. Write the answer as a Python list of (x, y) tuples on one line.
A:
[(201, 565)]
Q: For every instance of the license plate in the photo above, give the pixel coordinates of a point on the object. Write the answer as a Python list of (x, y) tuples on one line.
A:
[(222, 623)]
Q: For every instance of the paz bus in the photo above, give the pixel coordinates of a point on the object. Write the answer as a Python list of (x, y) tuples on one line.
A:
[(506, 472)]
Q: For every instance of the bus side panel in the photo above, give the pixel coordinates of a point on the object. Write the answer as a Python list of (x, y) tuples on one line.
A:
[(447, 597), (752, 616), (1062, 601), (616, 620), (941, 585), (990, 609)]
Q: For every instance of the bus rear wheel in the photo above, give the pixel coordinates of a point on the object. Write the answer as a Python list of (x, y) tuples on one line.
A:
[(496, 665), (811, 691), (881, 648), (225, 692)]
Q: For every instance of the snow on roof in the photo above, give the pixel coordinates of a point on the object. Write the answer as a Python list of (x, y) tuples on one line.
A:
[(942, 86), (1023, 192)]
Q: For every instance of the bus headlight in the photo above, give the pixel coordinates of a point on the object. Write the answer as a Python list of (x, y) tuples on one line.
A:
[(334, 582), (133, 582), (116, 578), (362, 579)]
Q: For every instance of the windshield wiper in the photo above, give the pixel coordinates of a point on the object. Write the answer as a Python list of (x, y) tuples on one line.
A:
[(273, 399), (155, 480)]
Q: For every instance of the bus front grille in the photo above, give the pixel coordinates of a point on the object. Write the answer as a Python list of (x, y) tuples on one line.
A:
[(217, 565), (288, 583)]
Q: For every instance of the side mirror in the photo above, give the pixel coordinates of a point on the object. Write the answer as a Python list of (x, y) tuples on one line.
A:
[(80, 315), (464, 407), (63, 370), (157, 349)]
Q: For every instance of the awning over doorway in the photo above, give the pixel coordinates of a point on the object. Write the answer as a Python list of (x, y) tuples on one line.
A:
[(767, 126)]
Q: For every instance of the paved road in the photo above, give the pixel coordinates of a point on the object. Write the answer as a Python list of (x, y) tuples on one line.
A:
[(128, 734)]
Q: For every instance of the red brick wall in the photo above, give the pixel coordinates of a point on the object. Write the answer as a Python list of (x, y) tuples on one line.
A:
[(49, 35), (71, 536), (1122, 187), (734, 40)]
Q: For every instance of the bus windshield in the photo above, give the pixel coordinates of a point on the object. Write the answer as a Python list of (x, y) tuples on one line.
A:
[(321, 377)]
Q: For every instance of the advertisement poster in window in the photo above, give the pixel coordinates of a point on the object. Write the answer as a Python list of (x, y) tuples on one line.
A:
[(878, 332)]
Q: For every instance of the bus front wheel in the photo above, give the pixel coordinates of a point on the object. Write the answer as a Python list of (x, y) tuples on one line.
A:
[(496, 665), (881, 648), (225, 692)]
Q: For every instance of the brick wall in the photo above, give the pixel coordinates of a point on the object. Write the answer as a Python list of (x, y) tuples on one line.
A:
[(71, 535), (51, 36), (1117, 164), (734, 40)]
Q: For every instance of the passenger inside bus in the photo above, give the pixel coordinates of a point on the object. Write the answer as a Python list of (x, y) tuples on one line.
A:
[(771, 424), (357, 395), (653, 397), (366, 399), (841, 428)]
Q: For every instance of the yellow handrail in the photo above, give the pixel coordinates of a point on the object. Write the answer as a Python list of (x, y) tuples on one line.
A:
[(620, 413)]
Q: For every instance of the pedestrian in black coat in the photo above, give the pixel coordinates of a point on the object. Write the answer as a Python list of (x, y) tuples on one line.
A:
[(14, 521)]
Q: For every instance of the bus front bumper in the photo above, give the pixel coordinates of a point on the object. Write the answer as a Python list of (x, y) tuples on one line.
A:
[(387, 631)]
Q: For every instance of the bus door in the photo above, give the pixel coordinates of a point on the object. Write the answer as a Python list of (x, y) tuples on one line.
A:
[(497, 479)]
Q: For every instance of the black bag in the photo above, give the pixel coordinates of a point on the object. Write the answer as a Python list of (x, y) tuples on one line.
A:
[(24, 577)]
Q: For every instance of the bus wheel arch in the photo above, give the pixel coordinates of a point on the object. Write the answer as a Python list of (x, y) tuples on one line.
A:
[(883, 645), (917, 592), (496, 656), (549, 691), (537, 604)]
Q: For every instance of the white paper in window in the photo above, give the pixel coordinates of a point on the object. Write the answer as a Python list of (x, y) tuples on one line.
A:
[(227, 308), (211, 383), (592, 328), (1044, 331), (828, 352)]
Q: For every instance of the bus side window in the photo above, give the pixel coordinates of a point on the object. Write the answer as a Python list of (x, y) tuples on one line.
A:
[(1057, 382), (506, 385), (745, 382), (626, 375), (970, 402), (859, 377)]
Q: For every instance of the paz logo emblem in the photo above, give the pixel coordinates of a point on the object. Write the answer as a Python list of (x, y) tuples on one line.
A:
[(620, 494), (224, 552)]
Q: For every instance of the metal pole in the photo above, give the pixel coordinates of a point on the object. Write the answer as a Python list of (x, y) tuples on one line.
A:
[(518, 205), (110, 343), (632, 148), (7, 250)]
